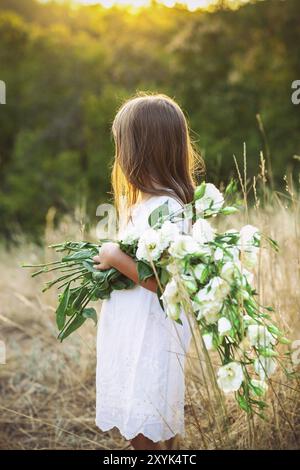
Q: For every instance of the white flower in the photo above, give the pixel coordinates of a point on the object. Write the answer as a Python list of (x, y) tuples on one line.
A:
[(249, 252), (208, 341), (224, 326), (189, 282), (242, 294), (232, 253), (211, 297), (227, 271), (209, 311), (247, 276), (219, 287), (130, 236), (203, 231), (168, 233), (247, 235), (260, 384), (149, 245), (182, 246), (205, 251), (212, 199), (196, 306), (204, 295), (218, 255), (230, 377), (259, 336), (175, 267), (265, 366), (249, 257), (198, 271), (173, 311), (171, 292), (171, 300)]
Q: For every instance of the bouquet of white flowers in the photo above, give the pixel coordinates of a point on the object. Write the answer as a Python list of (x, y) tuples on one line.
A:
[(208, 275)]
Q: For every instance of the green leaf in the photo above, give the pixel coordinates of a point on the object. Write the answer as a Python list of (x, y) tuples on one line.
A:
[(78, 255), (229, 210), (98, 276), (88, 264), (158, 292), (231, 188), (62, 308), (204, 275), (119, 284), (274, 330), (90, 313), (144, 270), (164, 277), (284, 340), (260, 403), (112, 274), (259, 391), (156, 216), (243, 403), (273, 243), (199, 191), (268, 352), (102, 294), (73, 326), (269, 309), (72, 297), (82, 292)]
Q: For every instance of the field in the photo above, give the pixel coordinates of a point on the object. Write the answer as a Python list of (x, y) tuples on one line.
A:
[(48, 389), (74, 63)]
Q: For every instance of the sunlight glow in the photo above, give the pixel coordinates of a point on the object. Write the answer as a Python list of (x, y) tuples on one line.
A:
[(191, 4)]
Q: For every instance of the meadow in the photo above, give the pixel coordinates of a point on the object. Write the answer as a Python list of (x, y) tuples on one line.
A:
[(48, 389), (67, 69)]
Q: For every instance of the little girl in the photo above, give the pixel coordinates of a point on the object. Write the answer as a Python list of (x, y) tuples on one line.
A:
[(140, 351)]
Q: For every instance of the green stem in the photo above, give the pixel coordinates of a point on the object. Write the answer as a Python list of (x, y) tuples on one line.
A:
[(67, 276)]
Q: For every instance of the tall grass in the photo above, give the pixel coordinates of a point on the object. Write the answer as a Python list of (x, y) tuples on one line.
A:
[(48, 389)]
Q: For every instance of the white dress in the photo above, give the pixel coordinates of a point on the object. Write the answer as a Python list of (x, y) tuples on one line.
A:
[(140, 357)]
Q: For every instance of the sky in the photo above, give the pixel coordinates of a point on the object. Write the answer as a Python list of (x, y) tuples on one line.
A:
[(191, 4)]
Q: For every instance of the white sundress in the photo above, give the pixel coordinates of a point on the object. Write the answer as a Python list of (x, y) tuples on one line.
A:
[(140, 382)]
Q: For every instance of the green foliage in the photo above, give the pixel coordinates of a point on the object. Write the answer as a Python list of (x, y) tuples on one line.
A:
[(62, 308), (157, 216), (88, 284), (67, 71), (76, 323), (145, 271), (90, 313)]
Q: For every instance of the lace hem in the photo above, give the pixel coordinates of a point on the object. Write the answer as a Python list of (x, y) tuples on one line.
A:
[(164, 436)]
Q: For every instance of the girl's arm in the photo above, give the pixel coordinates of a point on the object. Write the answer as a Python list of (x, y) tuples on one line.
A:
[(111, 256)]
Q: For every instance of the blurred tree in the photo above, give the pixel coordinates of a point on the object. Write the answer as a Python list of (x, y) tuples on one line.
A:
[(68, 69)]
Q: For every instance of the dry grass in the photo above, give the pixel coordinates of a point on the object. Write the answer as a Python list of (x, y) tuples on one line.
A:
[(48, 389)]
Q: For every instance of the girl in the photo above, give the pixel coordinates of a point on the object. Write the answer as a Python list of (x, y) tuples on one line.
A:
[(140, 351)]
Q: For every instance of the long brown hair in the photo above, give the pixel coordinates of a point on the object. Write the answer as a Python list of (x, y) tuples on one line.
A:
[(153, 150)]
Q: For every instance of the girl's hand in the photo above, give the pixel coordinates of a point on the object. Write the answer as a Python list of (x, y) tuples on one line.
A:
[(107, 255), (111, 256)]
